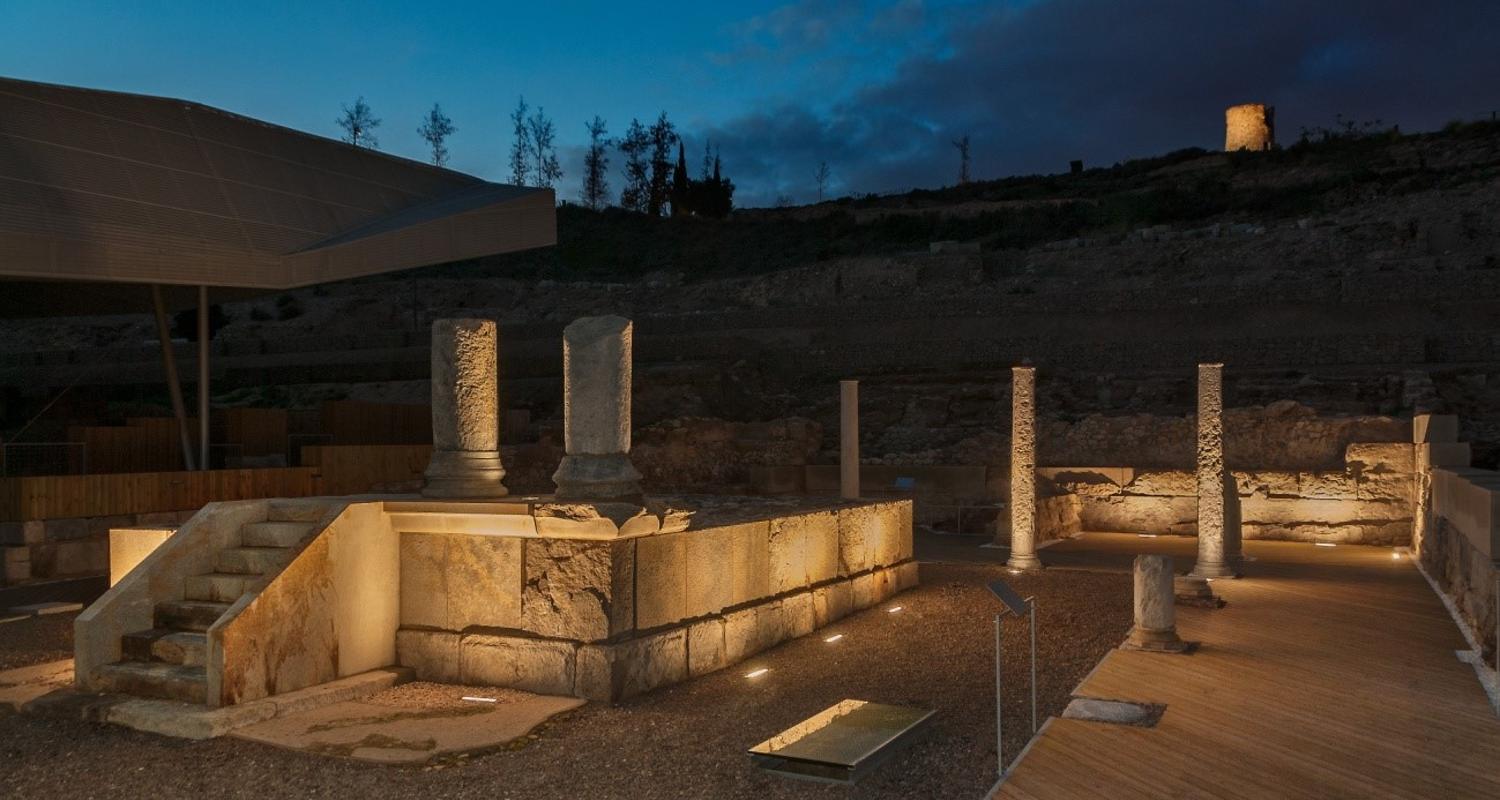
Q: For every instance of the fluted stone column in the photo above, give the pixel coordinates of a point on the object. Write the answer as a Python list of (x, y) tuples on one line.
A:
[(1155, 610), (849, 440), (596, 412), (1023, 469), (1214, 558), (465, 412)]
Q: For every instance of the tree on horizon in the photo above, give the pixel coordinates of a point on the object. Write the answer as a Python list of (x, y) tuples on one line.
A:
[(547, 170), (359, 124), (635, 146), (662, 135), (595, 192), (520, 146), (436, 128), (821, 176)]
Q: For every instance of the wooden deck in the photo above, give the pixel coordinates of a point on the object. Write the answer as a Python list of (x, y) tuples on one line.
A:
[(1331, 673)]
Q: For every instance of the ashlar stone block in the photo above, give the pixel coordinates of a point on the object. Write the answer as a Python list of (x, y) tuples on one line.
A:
[(532, 665), (576, 589), (432, 654)]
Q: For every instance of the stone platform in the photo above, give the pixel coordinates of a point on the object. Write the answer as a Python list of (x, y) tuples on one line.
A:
[(604, 603)]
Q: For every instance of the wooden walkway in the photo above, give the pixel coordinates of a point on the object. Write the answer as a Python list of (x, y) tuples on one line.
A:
[(1331, 673)]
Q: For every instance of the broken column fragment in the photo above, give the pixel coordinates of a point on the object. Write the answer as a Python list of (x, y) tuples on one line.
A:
[(1155, 610), (465, 461), (596, 412)]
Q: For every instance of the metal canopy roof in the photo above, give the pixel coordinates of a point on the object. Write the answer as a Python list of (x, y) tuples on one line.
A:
[(107, 187)]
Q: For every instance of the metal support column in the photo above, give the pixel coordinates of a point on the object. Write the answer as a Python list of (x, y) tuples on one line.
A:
[(174, 385), (203, 344)]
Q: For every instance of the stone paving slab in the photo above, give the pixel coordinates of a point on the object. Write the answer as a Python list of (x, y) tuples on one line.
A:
[(369, 730), (39, 609), (18, 687)]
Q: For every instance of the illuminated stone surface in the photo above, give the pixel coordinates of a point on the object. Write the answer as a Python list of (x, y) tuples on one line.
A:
[(1251, 126), (1218, 547), (1155, 607), (465, 459), (596, 412), (1023, 469)]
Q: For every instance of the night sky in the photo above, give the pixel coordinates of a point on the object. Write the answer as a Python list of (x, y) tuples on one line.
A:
[(876, 89)]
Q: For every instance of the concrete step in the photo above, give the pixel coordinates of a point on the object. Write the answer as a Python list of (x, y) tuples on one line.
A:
[(189, 615), (184, 648), (295, 511), (218, 587), (274, 534), (155, 679), (252, 560)]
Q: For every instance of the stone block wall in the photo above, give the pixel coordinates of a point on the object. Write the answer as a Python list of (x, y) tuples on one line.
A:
[(606, 619), (53, 549), (1370, 501), (1457, 529)]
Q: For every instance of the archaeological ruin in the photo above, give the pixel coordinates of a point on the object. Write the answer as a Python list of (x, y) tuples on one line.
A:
[(1249, 126)]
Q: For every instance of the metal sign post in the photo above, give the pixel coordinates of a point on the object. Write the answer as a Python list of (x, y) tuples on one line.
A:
[(1018, 606)]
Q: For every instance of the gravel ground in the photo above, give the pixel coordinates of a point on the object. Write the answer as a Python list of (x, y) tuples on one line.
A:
[(36, 640), (683, 741)]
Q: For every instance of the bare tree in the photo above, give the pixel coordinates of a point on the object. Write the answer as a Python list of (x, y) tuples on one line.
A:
[(436, 128), (963, 158), (359, 125), (821, 176), (547, 171), (520, 145), (595, 192)]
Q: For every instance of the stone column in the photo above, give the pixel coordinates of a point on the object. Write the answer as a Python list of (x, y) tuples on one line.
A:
[(1214, 558), (1155, 611), (1023, 469), (596, 412), (849, 440), (465, 412)]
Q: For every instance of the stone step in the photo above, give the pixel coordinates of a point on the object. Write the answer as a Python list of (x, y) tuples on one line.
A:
[(155, 679), (294, 511), (189, 615), (184, 648), (252, 560), (274, 534), (218, 587)]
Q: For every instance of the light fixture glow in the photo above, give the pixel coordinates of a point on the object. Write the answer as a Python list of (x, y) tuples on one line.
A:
[(481, 699), (1015, 572), (834, 638), (893, 609), (1325, 544), (1395, 556), (1146, 535), (757, 672)]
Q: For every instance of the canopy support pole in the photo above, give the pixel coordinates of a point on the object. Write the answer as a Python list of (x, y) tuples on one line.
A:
[(174, 385)]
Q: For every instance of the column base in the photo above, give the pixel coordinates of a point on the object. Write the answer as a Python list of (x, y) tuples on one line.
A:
[(597, 477), (1024, 563), (1149, 641), (464, 475), (1221, 570)]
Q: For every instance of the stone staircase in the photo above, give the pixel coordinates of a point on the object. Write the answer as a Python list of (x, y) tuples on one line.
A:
[(168, 660)]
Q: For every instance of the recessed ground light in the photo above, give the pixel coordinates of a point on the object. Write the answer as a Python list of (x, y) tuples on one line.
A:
[(834, 638), (1395, 556), (893, 609), (1146, 535), (1015, 572), (481, 699), (1325, 544), (756, 673)]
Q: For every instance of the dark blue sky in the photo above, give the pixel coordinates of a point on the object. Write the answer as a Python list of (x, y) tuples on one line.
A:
[(877, 89)]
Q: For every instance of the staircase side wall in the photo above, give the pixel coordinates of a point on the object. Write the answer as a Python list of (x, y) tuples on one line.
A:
[(332, 612), (130, 605)]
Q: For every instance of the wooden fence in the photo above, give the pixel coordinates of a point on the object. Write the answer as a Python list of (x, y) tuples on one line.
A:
[(66, 496), (365, 468)]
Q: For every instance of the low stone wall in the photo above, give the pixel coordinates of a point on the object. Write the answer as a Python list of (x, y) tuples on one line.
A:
[(606, 619), (1457, 536), (1370, 501), (52, 549)]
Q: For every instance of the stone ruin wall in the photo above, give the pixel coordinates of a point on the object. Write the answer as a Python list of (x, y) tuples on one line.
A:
[(1251, 126)]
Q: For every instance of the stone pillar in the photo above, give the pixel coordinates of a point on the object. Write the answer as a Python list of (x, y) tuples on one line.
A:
[(465, 412), (1023, 469), (1214, 558), (596, 412), (849, 440), (1155, 610)]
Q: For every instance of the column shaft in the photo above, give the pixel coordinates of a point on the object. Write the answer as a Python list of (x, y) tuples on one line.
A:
[(596, 412), (465, 412), (1212, 557), (1023, 469)]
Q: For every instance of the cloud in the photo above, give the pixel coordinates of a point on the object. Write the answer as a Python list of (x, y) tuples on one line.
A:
[(1036, 84)]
